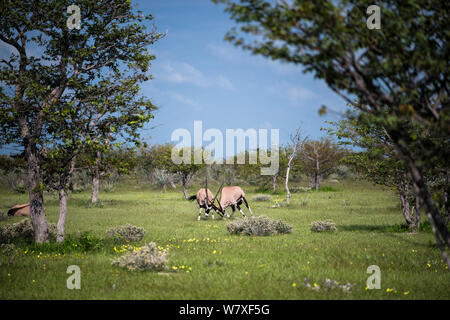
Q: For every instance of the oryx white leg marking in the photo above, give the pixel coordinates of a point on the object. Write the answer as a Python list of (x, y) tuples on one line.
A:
[(199, 214), (240, 210)]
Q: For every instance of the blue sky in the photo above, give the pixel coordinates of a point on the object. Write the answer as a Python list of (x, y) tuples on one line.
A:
[(199, 76)]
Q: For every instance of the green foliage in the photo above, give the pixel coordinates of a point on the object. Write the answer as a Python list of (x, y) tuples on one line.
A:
[(126, 233), (147, 258), (82, 242), (321, 226), (258, 226), (376, 159), (401, 228)]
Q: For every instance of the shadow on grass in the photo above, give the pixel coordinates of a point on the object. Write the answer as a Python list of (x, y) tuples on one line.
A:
[(396, 228), (394, 231)]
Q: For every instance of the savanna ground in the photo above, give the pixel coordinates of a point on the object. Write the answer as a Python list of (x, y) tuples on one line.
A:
[(206, 262)]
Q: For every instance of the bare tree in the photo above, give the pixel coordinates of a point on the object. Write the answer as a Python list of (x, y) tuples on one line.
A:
[(297, 142), (319, 157)]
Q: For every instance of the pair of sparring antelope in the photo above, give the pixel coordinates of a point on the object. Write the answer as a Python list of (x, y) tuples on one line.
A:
[(232, 196)]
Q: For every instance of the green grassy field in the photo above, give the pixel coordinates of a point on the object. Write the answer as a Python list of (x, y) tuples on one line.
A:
[(212, 264)]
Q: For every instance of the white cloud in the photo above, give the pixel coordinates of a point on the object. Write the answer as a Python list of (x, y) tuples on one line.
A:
[(182, 72), (297, 94), (225, 83), (237, 55), (223, 52), (183, 100)]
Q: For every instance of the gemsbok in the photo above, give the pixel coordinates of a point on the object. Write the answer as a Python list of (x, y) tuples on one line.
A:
[(233, 197), (205, 200)]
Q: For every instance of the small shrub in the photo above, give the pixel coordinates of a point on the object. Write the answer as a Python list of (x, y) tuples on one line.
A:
[(148, 258), (295, 189), (278, 203), (108, 186), (3, 215), (258, 226), (261, 197), (126, 233), (7, 248), (22, 230), (325, 225)]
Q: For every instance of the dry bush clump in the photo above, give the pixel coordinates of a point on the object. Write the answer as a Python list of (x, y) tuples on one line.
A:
[(262, 197), (147, 258), (22, 230), (126, 233), (325, 225), (258, 226)]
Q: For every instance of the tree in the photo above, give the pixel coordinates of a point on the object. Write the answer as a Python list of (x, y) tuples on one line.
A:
[(73, 69), (160, 158), (297, 143), (319, 157), (155, 162), (399, 73), (376, 161), (184, 170)]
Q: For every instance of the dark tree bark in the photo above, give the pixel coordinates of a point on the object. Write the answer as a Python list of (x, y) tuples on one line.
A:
[(184, 180), (36, 197)]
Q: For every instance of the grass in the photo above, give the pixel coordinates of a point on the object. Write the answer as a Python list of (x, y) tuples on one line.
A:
[(206, 262)]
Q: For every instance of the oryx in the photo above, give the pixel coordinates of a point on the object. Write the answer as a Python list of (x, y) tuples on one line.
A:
[(204, 199), (232, 196)]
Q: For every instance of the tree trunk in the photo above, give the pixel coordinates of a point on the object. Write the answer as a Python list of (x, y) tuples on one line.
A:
[(36, 197), (64, 182), (406, 210), (95, 187), (317, 176), (60, 228), (418, 205), (446, 198), (286, 182), (316, 181), (438, 227), (96, 178), (183, 182), (274, 183)]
